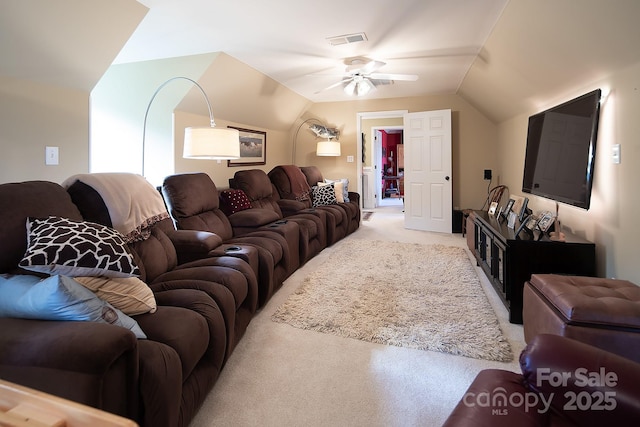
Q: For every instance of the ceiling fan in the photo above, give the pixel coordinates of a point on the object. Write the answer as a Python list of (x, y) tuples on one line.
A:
[(362, 76)]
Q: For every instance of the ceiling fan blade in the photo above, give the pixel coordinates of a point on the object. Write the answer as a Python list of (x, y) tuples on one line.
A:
[(340, 83), (398, 77)]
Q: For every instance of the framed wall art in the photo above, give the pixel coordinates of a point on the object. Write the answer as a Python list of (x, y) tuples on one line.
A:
[(253, 148)]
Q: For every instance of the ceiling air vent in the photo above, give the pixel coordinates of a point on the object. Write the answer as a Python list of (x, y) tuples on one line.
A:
[(347, 38)]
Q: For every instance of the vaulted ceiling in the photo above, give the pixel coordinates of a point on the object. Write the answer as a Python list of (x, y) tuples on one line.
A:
[(504, 56)]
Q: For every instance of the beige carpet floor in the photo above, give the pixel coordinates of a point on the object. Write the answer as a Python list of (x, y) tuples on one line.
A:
[(283, 376)]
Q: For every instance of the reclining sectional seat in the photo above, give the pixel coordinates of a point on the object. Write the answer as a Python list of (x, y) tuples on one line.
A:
[(261, 193), (158, 381), (295, 197), (351, 206), (112, 199), (194, 204)]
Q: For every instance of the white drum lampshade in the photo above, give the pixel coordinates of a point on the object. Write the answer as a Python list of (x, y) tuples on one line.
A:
[(211, 143)]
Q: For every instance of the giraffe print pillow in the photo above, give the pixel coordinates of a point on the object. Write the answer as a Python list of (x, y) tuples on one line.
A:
[(323, 195), (76, 248)]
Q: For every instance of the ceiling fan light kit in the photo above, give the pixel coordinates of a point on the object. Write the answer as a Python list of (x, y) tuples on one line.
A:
[(361, 77), (359, 86)]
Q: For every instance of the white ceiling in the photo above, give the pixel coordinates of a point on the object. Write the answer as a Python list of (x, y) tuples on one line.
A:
[(287, 39)]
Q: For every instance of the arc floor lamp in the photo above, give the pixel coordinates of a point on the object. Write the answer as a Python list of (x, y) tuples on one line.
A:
[(200, 142)]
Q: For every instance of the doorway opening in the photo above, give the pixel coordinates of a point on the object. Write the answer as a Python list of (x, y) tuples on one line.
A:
[(369, 158)]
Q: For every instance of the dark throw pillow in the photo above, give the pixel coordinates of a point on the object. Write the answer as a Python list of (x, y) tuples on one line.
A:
[(76, 248)]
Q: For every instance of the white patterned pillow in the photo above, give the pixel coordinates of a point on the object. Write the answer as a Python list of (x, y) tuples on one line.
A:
[(76, 248), (325, 195), (338, 189), (345, 187)]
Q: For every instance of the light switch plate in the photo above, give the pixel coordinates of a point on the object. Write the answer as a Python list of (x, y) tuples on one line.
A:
[(51, 156), (350, 159), (615, 154)]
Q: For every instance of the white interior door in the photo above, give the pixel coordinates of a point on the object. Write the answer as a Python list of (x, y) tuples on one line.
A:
[(427, 171)]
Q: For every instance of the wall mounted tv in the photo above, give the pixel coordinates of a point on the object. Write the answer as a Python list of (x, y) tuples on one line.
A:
[(561, 149)]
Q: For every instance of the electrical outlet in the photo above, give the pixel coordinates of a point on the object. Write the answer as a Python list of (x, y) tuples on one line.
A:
[(350, 159), (487, 174), (51, 156)]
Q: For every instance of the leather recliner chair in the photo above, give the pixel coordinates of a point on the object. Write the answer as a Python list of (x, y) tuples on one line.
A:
[(563, 383)]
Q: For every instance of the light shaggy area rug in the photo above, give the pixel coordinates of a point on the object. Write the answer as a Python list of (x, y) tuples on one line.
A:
[(426, 297)]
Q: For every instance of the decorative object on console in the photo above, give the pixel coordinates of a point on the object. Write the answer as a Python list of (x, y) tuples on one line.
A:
[(492, 208), (200, 142), (253, 148)]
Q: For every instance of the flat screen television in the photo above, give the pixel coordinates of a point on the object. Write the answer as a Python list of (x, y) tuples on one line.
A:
[(561, 149)]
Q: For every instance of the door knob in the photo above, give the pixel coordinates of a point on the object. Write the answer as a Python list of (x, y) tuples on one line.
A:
[(446, 177)]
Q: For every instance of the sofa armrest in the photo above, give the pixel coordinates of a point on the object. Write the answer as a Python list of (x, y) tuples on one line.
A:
[(191, 244), (354, 197), (86, 362), (588, 385)]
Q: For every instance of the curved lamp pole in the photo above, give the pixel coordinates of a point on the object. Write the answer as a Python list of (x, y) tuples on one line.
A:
[(200, 142)]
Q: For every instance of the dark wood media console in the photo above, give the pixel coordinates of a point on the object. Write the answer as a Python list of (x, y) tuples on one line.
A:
[(508, 262)]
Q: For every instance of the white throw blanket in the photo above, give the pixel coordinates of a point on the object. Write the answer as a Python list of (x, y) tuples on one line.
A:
[(134, 204)]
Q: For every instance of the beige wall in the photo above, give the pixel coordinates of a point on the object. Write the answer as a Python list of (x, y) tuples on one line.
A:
[(474, 141), (33, 116), (610, 222)]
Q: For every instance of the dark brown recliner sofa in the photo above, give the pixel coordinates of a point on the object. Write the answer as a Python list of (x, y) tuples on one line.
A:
[(229, 281), (563, 383), (194, 204), (351, 207), (262, 195), (159, 381), (295, 197)]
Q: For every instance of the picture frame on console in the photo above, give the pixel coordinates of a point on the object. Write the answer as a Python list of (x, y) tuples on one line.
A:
[(511, 220), (546, 219), (253, 148), (518, 202), (508, 207)]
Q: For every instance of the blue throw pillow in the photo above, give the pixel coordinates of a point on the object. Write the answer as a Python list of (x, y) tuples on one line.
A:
[(57, 298)]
